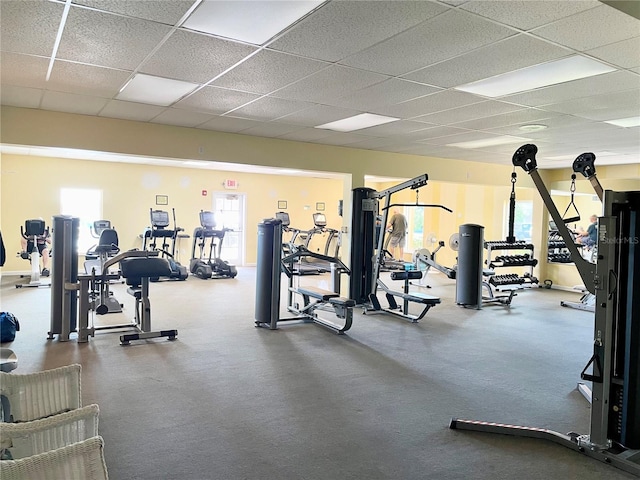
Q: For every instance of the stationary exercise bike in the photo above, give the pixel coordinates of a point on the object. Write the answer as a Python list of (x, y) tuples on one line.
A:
[(211, 266), (96, 257), (33, 229)]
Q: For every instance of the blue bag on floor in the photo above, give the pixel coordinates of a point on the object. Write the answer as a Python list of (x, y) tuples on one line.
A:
[(9, 325)]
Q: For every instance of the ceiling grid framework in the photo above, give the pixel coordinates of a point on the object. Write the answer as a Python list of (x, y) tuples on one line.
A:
[(406, 60)]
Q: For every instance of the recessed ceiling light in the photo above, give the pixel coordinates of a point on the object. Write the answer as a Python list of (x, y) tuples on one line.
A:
[(625, 122), (489, 142), (248, 21), (532, 128), (536, 76), (155, 90), (357, 122)]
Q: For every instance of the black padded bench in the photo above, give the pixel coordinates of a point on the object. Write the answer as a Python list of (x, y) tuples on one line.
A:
[(407, 297), (137, 271)]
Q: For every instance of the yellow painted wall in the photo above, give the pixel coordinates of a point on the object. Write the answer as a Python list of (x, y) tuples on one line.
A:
[(475, 191), (129, 192)]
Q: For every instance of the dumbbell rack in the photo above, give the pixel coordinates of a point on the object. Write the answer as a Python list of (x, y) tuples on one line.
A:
[(557, 251), (498, 261)]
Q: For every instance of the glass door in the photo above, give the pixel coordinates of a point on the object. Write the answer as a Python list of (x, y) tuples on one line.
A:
[(229, 211)]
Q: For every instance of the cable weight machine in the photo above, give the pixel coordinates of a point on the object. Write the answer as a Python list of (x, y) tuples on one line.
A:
[(614, 435)]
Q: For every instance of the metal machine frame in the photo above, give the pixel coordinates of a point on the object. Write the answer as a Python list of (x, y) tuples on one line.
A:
[(614, 436), (427, 301)]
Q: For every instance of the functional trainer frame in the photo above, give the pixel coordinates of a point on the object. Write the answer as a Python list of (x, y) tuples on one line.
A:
[(614, 436), (365, 279)]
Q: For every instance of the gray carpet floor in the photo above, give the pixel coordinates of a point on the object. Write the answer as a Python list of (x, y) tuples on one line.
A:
[(227, 400)]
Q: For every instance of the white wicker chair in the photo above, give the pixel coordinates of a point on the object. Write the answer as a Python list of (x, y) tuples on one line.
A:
[(38, 395), (79, 461), (19, 440)]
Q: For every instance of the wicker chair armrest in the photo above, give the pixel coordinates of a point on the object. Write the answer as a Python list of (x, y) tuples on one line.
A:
[(78, 461), (38, 395), (24, 439)]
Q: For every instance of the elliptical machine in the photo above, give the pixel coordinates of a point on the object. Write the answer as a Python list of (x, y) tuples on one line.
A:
[(212, 266), (158, 229)]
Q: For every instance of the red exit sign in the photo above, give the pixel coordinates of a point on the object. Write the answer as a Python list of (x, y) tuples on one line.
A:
[(231, 184)]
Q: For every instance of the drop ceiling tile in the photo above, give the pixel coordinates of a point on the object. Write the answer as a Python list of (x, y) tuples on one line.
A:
[(307, 135), (130, 111), (469, 136), (70, 103), (592, 28), (269, 108), (625, 54), (606, 83), (165, 11), (194, 57), (228, 124), (16, 96), (86, 79), (182, 118), (389, 92), (29, 27), (267, 71), (527, 115), (504, 56), (554, 121), (400, 127), (340, 138), (436, 102), (629, 99), (318, 115), (327, 84), (271, 129), (528, 14), (469, 112), (339, 29), (108, 40), (215, 100), (374, 143), (429, 42), (435, 132), (23, 70)]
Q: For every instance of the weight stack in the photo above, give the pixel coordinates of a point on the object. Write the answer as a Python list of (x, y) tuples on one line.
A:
[(470, 256), (363, 225), (268, 272)]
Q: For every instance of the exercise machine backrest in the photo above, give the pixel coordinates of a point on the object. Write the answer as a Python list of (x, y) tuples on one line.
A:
[(33, 228)]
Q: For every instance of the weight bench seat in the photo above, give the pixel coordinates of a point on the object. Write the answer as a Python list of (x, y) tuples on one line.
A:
[(317, 293), (342, 302), (416, 297), (135, 268)]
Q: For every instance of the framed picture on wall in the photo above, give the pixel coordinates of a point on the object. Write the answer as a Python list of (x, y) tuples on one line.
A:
[(320, 206), (162, 200), (282, 204)]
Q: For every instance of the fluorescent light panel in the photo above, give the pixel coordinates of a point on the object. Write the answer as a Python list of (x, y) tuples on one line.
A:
[(155, 90), (536, 76), (625, 122), (489, 142), (248, 21), (357, 122)]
